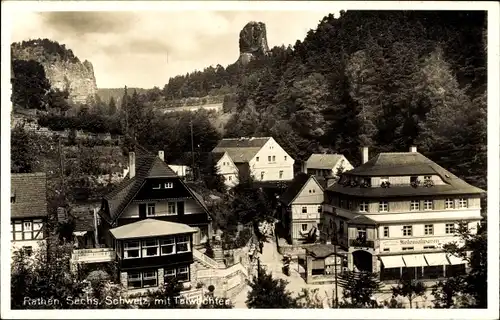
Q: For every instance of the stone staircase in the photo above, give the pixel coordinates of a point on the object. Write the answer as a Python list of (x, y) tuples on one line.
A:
[(206, 261)]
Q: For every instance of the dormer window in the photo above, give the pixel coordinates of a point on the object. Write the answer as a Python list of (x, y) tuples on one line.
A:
[(157, 186), (169, 185)]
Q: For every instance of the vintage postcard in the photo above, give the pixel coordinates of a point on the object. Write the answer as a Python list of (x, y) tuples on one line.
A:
[(285, 157)]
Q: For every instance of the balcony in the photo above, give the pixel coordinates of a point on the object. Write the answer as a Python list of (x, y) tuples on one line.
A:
[(359, 243), (95, 255)]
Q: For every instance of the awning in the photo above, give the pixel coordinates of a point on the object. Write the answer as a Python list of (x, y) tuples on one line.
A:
[(392, 261), (415, 260), (454, 260), (436, 259)]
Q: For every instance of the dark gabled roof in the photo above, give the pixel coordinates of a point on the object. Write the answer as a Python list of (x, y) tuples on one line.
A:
[(29, 191), (293, 190), (362, 219), (322, 250), (404, 164), (323, 161), (147, 166), (241, 150)]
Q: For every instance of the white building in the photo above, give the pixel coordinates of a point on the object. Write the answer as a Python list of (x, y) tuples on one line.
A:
[(326, 165), (261, 157), (28, 203), (396, 211)]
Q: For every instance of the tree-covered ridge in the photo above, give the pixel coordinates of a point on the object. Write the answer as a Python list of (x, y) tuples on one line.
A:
[(50, 49)]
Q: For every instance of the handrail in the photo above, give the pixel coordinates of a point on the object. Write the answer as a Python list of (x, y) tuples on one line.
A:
[(206, 259)]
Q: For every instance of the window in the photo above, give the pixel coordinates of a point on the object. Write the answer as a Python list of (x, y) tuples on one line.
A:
[(349, 205), (134, 280), (386, 249), (428, 229), (150, 210), (341, 227), (171, 208), (304, 227), (414, 205), (157, 186), (429, 247), (320, 209), (257, 159), (386, 232), (428, 204), (281, 174), (383, 206), (182, 244), (269, 158), (362, 234), (407, 248), (131, 249), (28, 250), (285, 158), (169, 185), (407, 231), (262, 175), (413, 179), (274, 158), (363, 206), (149, 279), (183, 274), (150, 248), (384, 180), (427, 178), (27, 226), (304, 209), (18, 231), (341, 202), (28, 230), (462, 203), (449, 228), (448, 204), (169, 274), (230, 178), (167, 246)]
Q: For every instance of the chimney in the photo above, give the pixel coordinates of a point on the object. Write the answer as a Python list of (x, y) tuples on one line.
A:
[(364, 155), (304, 167), (413, 149), (161, 155), (131, 164)]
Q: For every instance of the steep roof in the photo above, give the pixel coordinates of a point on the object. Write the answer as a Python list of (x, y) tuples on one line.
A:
[(241, 150), (293, 190), (150, 228), (323, 161), (29, 191), (401, 164), (147, 166)]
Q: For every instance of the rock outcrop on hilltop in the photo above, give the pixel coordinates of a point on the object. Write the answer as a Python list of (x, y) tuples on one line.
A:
[(253, 41), (62, 68)]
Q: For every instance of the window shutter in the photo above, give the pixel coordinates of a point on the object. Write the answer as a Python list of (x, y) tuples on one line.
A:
[(142, 210)]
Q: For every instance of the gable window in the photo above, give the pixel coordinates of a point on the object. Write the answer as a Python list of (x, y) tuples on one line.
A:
[(285, 158), (320, 209), (269, 158), (363, 206), (182, 244), (157, 186), (131, 249), (262, 175), (257, 159), (167, 246), (414, 205), (428, 229), (462, 203), (183, 274), (171, 208), (150, 248), (448, 203), (230, 178), (383, 206), (281, 174), (169, 185), (304, 227), (151, 210), (428, 204), (449, 228), (386, 232), (407, 231), (304, 209), (274, 158)]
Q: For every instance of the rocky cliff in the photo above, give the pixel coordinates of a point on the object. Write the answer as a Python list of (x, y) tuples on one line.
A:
[(253, 41), (62, 68)]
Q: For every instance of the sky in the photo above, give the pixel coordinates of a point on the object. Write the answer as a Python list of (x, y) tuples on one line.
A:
[(144, 49)]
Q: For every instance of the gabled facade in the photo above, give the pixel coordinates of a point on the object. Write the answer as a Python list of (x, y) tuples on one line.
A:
[(261, 157), (326, 165), (395, 212), (302, 207), (28, 203), (227, 168)]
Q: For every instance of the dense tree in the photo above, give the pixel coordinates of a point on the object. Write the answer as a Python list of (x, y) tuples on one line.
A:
[(409, 289), (30, 86), (25, 150), (269, 293), (359, 289)]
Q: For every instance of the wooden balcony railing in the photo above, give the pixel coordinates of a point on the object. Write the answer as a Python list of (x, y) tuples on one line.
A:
[(93, 255), (362, 243)]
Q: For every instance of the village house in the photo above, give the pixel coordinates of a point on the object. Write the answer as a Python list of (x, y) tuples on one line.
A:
[(394, 213), (326, 166), (260, 157), (28, 203), (301, 208), (151, 224)]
